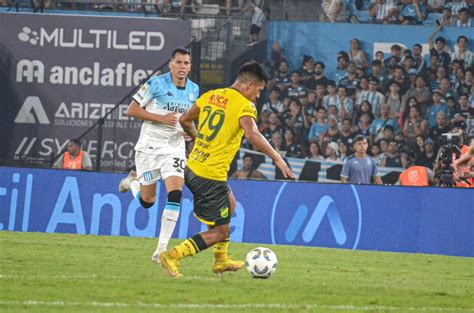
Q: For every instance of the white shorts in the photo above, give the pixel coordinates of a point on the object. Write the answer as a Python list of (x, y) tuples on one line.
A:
[(152, 167)]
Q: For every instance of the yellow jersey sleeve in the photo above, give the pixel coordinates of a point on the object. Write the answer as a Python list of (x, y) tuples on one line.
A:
[(248, 109)]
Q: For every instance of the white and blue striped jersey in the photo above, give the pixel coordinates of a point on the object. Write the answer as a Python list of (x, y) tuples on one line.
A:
[(159, 95)]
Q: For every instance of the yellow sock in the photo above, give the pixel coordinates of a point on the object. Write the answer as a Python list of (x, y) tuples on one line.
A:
[(220, 250), (184, 249), (189, 247)]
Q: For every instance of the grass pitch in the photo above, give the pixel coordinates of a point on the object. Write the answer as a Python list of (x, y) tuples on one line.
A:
[(72, 273)]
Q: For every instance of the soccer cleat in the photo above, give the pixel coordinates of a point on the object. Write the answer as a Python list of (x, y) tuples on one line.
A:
[(155, 258), (227, 265), (124, 184), (170, 264)]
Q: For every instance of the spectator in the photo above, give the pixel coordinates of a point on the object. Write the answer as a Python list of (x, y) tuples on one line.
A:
[(293, 148), (415, 126), (363, 125), (421, 93), (314, 152), (277, 144), (452, 108), (316, 99), (295, 120), (263, 120), (408, 63), (376, 129), (331, 134), (395, 52), (282, 79), (361, 89), (320, 126), (462, 54), (357, 56), (74, 158), (307, 71), (273, 127), (258, 18), (413, 13), (392, 157), (360, 168), (456, 6), (399, 77), (277, 55), (394, 100), (435, 107), (428, 156), (445, 89), (341, 70), (274, 104), (439, 49), (332, 152), (248, 170), (333, 11), (345, 132), (464, 20), (378, 73), (447, 18), (295, 88), (330, 98), (343, 151), (319, 78), (440, 74), (441, 127), (435, 5), (365, 107), (384, 11), (376, 153), (344, 104), (388, 132), (464, 107), (307, 110), (351, 81), (419, 62), (374, 97)]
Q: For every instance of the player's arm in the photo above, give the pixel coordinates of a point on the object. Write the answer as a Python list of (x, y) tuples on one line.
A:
[(378, 180), (187, 121), (138, 112), (258, 141), (344, 180)]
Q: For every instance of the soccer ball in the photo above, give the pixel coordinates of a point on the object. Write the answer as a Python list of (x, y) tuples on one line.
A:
[(261, 262)]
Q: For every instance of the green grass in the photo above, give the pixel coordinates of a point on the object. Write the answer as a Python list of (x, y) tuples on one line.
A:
[(72, 273)]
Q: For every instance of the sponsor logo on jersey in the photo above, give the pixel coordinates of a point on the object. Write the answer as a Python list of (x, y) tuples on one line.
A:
[(219, 101)]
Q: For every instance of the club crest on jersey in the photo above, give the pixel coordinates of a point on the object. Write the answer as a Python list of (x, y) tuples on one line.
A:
[(169, 94), (191, 96)]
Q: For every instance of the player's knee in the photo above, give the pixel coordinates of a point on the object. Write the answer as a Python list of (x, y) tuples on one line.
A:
[(175, 196), (147, 202)]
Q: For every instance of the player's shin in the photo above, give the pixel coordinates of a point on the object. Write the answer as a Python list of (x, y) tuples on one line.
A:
[(168, 219), (135, 188)]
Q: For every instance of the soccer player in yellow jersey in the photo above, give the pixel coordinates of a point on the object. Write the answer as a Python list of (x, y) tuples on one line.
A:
[(224, 116)]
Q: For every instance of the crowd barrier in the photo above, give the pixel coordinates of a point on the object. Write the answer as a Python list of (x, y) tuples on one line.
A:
[(362, 217)]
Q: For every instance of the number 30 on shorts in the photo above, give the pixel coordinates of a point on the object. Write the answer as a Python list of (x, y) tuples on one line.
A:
[(179, 164)]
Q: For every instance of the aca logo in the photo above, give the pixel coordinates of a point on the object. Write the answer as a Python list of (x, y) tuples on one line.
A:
[(317, 215)]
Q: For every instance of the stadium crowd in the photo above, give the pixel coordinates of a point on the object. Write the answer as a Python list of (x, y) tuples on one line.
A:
[(456, 13), (402, 103)]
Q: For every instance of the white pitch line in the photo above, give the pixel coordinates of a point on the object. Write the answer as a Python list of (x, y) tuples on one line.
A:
[(269, 306), (48, 276)]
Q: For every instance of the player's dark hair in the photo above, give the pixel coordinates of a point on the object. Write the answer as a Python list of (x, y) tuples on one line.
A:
[(180, 51), (359, 138), (76, 142), (252, 70)]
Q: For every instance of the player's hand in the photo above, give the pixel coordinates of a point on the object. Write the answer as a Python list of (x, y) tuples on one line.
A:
[(169, 119), (186, 136), (285, 170)]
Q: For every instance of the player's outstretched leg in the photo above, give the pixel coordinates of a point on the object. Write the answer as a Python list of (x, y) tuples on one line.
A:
[(168, 223)]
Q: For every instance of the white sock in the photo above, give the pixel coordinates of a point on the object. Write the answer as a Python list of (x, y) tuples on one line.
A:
[(135, 188), (168, 222)]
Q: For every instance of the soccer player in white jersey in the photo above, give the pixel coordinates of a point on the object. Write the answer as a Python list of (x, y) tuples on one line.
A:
[(160, 150)]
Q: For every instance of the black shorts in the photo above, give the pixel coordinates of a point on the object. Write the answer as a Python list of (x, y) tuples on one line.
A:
[(254, 29), (211, 199)]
